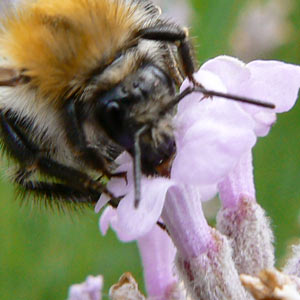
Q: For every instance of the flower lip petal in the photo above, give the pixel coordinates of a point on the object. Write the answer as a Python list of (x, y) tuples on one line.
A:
[(279, 82), (91, 288), (230, 70), (118, 186), (272, 81), (107, 219), (194, 105), (124, 161), (135, 222), (209, 148), (101, 202), (207, 79)]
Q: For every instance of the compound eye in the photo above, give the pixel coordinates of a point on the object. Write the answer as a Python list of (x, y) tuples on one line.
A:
[(114, 115), (113, 111)]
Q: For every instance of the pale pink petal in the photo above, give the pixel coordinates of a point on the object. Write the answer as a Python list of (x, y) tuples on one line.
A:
[(130, 222), (238, 183), (263, 122), (103, 200), (185, 221), (118, 186), (271, 81), (230, 70), (274, 80), (158, 254), (211, 147), (124, 161), (193, 104), (90, 289), (134, 222), (108, 217), (208, 191)]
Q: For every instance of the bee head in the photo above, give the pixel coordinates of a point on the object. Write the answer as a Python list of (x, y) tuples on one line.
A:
[(135, 103)]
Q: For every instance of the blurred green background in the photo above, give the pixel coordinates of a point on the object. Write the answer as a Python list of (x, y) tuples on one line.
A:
[(42, 253)]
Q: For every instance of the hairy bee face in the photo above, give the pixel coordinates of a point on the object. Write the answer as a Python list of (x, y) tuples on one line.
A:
[(83, 81), (134, 103)]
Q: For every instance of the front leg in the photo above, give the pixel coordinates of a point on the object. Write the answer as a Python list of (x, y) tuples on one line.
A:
[(77, 140), (32, 159), (53, 194), (172, 33)]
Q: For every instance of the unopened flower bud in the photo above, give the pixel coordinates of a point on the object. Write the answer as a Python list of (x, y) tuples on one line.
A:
[(212, 275), (248, 229)]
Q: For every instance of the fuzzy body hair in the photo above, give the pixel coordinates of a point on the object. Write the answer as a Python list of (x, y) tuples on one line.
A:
[(59, 43)]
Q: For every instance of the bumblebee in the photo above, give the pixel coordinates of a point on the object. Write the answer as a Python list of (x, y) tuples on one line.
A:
[(81, 81)]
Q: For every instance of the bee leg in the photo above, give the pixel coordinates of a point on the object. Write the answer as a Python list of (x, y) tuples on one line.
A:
[(177, 35), (77, 140), (163, 227), (172, 63), (30, 157), (57, 194)]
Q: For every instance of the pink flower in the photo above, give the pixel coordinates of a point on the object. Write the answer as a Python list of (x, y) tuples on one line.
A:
[(90, 289), (160, 279), (214, 138)]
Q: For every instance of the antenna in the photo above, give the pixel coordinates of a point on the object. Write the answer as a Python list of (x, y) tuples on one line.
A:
[(233, 97), (209, 93)]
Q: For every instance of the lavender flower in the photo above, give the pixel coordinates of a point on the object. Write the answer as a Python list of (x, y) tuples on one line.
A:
[(161, 281), (214, 138), (90, 289)]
